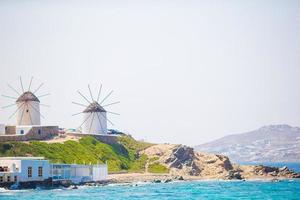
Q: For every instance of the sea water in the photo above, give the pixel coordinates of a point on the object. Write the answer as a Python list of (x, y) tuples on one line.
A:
[(288, 189), (214, 189)]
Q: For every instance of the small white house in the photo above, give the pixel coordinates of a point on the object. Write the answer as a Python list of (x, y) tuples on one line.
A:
[(23, 169)]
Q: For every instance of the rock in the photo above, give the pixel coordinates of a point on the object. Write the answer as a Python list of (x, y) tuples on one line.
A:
[(284, 168), (180, 178), (168, 180), (275, 180), (183, 157), (296, 175), (226, 162), (156, 181), (234, 175), (75, 187), (274, 173)]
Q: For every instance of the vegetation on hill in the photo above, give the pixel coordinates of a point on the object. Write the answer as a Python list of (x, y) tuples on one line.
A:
[(122, 156), (157, 168)]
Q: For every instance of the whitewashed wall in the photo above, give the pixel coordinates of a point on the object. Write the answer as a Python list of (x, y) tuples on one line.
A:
[(25, 129), (29, 114), (93, 125), (22, 167), (100, 172), (34, 164), (13, 165)]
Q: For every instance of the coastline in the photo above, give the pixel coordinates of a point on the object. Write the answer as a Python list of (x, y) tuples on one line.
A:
[(136, 179), (164, 178)]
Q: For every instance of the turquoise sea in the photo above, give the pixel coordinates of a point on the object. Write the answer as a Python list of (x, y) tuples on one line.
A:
[(283, 190), (289, 189)]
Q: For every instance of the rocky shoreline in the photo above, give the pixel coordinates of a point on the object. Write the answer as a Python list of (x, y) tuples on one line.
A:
[(184, 161), (137, 178), (165, 178)]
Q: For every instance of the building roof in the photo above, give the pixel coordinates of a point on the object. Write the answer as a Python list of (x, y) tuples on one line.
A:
[(27, 96), (94, 107)]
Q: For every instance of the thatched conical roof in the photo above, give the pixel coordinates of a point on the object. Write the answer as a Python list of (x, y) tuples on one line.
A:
[(94, 107), (27, 96)]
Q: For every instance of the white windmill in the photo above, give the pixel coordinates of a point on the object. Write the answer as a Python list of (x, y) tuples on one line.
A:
[(28, 105), (94, 115)]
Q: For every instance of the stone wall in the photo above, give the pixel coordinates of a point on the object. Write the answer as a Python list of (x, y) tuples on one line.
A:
[(35, 133), (10, 130)]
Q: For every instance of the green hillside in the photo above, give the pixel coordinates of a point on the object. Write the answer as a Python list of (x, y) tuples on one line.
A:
[(120, 157)]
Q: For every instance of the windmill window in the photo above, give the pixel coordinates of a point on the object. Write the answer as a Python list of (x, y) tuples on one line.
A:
[(27, 110), (22, 132)]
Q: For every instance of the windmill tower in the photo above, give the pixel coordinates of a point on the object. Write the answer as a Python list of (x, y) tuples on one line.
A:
[(28, 105), (94, 115), (29, 112)]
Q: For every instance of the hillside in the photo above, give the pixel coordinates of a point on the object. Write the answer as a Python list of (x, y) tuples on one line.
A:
[(129, 155), (275, 143), (120, 156)]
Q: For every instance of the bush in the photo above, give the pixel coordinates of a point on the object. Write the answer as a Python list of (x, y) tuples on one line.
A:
[(157, 168)]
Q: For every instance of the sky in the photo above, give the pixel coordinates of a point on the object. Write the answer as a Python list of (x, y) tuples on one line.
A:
[(184, 71)]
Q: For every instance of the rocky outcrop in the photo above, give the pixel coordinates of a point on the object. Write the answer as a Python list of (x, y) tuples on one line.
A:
[(184, 161), (183, 157)]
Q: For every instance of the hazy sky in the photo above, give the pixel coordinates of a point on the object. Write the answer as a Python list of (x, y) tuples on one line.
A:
[(184, 71)]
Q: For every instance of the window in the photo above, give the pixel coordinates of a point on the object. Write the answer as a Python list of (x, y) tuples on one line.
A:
[(27, 111), (39, 132), (15, 178), (8, 178), (40, 171), (29, 170), (22, 132), (1, 179)]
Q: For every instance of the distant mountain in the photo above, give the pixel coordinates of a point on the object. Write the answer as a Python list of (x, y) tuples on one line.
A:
[(274, 143)]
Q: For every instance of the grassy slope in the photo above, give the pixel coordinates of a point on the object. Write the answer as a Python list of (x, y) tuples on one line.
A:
[(157, 168), (122, 156)]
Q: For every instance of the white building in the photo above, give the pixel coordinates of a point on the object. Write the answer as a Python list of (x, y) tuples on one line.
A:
[(95, 119), (28, 112), (79, 173), (25, 169)]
